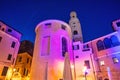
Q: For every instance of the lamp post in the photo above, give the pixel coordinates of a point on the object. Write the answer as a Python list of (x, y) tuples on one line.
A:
[(15, 75), (86, 75), (85, 70), (12, 73)]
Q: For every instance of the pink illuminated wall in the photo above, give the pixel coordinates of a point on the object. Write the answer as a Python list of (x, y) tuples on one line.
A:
[(9, 45), (49, 50)]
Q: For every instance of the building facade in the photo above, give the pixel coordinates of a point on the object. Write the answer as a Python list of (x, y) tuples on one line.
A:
[(83, 62), (53, 40), (9, 45), (22, 66), (107, 54), (24, 61)]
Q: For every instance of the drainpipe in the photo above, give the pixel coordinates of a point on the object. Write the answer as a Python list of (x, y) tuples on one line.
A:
[(93, 67), (74, 66)]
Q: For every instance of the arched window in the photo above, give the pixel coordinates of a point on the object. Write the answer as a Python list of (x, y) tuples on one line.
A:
[(75, 32), (100, 45), (107, 43), (64, 46), (114, 40)]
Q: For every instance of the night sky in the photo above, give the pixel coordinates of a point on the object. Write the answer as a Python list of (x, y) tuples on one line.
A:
[(95, 15)]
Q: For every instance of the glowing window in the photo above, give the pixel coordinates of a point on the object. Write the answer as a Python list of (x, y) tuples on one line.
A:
[(115, 60), (102, 63)]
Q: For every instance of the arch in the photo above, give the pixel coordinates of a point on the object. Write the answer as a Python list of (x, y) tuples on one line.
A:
[(107, 43), (16, 76), (64, 46), (114, 40), (100, 45), (75, 32)]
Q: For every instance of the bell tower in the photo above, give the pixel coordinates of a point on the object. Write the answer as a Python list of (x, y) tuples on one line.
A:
[(75, 27)]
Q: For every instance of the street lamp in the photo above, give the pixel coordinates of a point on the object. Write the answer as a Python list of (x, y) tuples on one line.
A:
[(86, 75), (12, 73), (85, 70), (15, 75)]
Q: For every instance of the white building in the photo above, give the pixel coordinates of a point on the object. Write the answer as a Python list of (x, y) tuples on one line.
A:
[(53, 40), (9, 45)]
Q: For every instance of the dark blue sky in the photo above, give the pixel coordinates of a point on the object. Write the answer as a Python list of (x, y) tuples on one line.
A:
[(95, 15)]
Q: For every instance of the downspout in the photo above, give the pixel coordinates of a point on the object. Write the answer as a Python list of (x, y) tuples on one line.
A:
[(92, 62), (93, 66)]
